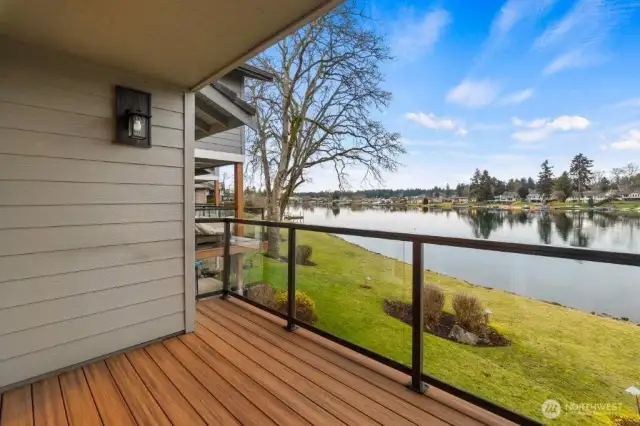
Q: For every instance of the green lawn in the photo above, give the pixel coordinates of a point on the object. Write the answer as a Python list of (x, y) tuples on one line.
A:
[(557, 353)]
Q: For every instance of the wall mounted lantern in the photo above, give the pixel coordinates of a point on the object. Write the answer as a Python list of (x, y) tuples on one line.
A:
[(133, 117)]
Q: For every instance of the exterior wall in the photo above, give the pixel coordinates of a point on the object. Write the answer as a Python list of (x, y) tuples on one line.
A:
[(92, 234), (231, 141)]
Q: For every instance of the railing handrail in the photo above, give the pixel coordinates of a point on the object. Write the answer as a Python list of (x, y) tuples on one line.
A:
[(572, 253)]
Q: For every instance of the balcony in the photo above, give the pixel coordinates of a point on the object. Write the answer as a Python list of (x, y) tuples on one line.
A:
[(239, 367)]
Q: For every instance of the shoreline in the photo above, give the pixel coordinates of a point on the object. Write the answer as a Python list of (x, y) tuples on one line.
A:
[(550, 302)]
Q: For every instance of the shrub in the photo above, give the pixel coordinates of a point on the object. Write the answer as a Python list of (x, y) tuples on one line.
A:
[(305, 306), (262, 293), (303, 255), (433, 304), (470, 313)]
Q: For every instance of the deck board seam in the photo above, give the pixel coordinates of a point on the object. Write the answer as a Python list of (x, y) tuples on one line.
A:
[(347, 403), (277, 378), (66, 413), (252, 379), (164, 374), (115, 385), (346, 372), (255, 318), (226, 381), (93, 397), (147, 388), (197, 381)]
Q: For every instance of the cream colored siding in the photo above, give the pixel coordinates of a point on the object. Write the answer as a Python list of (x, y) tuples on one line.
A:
[(231, 141), (92, 234)]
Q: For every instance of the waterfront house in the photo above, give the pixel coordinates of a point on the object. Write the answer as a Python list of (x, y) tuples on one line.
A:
[(507, 197), (534, 197)]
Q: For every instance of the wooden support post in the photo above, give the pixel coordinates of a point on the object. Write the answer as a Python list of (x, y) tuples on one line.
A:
[(238, 191), (217, 195)]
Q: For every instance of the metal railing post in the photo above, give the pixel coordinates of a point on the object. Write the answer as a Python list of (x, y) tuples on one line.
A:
[(226, 259), (417, 325), (291, 280)]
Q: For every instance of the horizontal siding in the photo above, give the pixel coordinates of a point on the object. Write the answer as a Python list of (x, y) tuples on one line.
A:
[(91, 232), (38, 338), (61, 262), (80, 148), (36, 240), (56, 310), (19, 70), (23, 193), (78, 351), (33, 290), (219, 148), (25, 117), (20, 167), (46, 216)]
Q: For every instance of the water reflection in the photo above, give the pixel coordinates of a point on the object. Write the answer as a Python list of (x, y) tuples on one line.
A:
[(574, 228)]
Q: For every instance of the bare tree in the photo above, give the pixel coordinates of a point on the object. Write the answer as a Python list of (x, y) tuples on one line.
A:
[(318, 112)]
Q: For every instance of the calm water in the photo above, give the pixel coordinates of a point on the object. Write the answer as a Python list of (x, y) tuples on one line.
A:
[(588, 286)]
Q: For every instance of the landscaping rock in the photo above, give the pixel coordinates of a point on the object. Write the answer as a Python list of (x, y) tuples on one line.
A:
[(460, 335)]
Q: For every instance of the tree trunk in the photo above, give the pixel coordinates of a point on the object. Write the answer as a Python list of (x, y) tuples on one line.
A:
[(273, 241)]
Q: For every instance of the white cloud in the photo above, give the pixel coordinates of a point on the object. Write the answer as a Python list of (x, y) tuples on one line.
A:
[(431, 121), (630, 142), (571, 59), (414, 36), (473, 94), (433, 143), (515, 98), (541, 128), (633, 102)]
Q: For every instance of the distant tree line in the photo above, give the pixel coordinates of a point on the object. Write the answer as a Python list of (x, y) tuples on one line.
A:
[(580, 177)]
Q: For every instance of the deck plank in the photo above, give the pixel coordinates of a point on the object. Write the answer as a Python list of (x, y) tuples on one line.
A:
[(238, 405), (174, 405), (259, 335), (48, 405), (143, 406), (111, 406), (346, 404), (272, 406), (285, 385), (17, 408), (436, 402), (209, 408), (78, 401)]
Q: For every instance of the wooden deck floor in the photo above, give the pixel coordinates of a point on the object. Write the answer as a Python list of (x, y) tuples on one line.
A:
[(239, 367)]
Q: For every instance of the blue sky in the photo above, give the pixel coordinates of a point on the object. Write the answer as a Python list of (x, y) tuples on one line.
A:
[(503, 85)]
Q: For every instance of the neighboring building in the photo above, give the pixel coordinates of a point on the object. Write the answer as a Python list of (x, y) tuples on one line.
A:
[(596, 196), (507, 197), (630, 196), (460, 200), (96, 238), (534, 197)]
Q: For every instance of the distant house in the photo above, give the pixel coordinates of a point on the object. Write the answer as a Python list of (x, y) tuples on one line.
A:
[(507, 197), (460, 200), (596, 196), (630, 196), (535, 197)]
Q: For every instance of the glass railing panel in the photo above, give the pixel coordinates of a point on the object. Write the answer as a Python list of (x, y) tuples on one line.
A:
[(347, 290)]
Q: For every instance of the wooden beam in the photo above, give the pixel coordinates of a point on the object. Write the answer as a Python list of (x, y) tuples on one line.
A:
[(238, 189), (216, 193)]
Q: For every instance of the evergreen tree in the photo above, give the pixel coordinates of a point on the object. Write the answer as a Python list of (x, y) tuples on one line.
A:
[(545, 180), (474, 187), (485, 187), (531, 184), (580, 172), (563, 185)]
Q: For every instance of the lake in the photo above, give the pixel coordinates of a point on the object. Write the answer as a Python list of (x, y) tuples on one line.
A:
[(592, 287)]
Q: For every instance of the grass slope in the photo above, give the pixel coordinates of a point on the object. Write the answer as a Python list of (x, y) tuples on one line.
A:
[(557, 353)]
